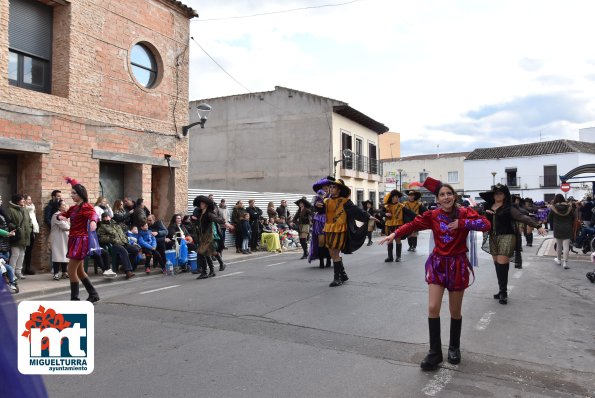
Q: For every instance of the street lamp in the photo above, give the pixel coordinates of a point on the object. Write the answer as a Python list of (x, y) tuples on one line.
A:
[(347, 154), (494, 178), (203, 111), (400, 182)]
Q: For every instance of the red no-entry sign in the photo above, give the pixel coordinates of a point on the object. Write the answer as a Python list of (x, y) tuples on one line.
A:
[(565, 187)]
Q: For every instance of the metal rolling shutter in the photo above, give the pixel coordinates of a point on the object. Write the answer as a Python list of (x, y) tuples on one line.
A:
[(30, 28)]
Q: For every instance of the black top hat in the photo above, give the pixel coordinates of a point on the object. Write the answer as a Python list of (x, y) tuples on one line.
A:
[(392, 194), (416, 194), (307, 204), (365, 202), (328, 180), (344, 190), (201, 198), (488, 196)]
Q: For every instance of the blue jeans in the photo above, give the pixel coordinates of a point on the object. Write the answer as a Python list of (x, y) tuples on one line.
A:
[(245, 244)]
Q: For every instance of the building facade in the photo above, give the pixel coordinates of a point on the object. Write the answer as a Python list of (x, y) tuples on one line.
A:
[(96, 90), (411, 171), (283, 141), (530, 170)]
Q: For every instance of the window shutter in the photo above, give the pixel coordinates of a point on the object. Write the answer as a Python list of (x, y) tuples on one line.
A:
[(30, 28)]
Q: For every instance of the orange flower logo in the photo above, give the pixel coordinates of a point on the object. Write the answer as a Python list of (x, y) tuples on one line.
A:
[(43, 319)]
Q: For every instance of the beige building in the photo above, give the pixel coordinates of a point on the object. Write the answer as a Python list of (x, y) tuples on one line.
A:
[(283, 141), (97, 90)]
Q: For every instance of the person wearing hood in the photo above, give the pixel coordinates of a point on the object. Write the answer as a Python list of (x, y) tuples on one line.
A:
[(19, 221), (502, 236), (562, 218), (340, 230)]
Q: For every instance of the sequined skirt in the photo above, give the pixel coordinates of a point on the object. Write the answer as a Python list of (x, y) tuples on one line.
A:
[(502, 245), (451, 272), (78, 247)]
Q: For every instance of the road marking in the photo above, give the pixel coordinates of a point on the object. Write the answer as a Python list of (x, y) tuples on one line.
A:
[(233, 273), (438, 382), (161, 288), (254, 258), (270, 265), (484, 321)]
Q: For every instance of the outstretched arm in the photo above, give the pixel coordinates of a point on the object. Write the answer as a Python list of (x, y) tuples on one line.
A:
[(419, 223)]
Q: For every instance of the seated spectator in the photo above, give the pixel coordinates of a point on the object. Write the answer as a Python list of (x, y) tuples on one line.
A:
[(148, 245), (121, 215), (270, 237), (59, 242), (7, 270), (159, 231), (281, 224), (178, 229), (110, 235), (140, 213), (101, 206)]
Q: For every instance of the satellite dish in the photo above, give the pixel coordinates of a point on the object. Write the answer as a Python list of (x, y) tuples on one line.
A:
[(347, 153)]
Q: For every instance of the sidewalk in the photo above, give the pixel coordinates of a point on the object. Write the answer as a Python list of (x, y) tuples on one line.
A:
[(547, 250), (42, 283)]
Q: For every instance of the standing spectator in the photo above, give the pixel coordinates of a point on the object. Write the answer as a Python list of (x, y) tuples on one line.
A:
[(237, 215), (282, 210), (528, 205), (101, 206), (159, 231), (224, 213), (30, 207), (51, 207), (302, 221), (5, 241), (83, 220), (59, 242), (140, 213), (255, 215), (19, 221), (121, 215), (246, 233), (271, 212), (562, 218)]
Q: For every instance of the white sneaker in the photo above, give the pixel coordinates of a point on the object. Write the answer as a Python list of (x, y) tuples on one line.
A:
[(109, 273), (565, 265), (557, 261), (13, 288), (56, 277)]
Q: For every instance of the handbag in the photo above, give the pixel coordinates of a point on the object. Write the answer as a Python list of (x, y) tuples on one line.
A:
[(93, 241)]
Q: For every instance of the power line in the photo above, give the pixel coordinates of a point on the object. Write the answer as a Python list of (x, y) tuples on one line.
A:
[(276, 12)]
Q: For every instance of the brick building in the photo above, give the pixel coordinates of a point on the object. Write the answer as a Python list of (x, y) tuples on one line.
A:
[(98, 90)]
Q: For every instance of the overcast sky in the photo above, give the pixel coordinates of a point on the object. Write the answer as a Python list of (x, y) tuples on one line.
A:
[(458, 74)]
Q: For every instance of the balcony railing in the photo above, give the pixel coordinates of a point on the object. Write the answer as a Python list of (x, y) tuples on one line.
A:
[(549, 181), (363, 164)]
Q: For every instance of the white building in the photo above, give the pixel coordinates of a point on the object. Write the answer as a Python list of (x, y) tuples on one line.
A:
[(400, 173), (531, 170)]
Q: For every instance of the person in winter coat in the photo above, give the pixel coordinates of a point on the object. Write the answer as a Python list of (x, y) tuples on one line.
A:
[(301, 222), (59, 242), (271, 212), (237, 215), (562, 216), (27, 269), (246, 234), (50, 209), (255, 215), (4, 240), (148, 243), (140, 213), (19, 221), (121, 215), (110, 234), (159, 231)]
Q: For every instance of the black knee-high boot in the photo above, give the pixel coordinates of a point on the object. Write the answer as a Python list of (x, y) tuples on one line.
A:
[(343, 274), (220, 261), (93, 295), (454, 351), (74, 291), (504, 268), (328, 258), (369, 238), (399, 248), (414, 240), (337, 268), (529, 239), (211, 268), (410, 243), (304, 243), (499, 276), (203, 267), (389, 259), (434, 357)]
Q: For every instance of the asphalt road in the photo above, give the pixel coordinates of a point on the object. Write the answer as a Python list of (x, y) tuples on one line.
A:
[(271, 327)]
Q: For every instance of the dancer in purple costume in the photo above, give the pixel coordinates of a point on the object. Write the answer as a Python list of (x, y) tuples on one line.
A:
[(318, 251)]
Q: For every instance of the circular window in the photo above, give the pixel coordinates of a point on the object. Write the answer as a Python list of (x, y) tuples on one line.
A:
[(144, 65)]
